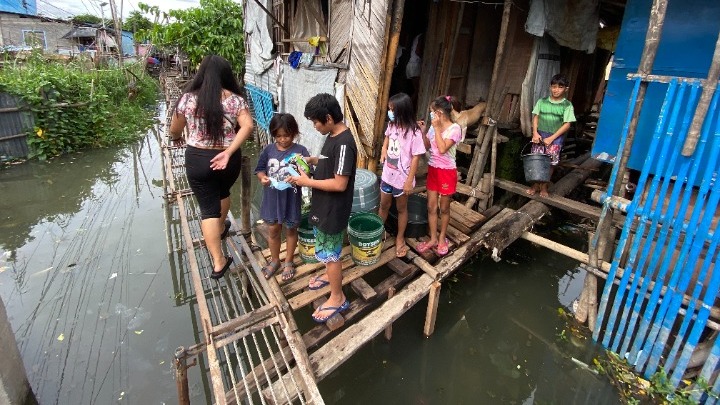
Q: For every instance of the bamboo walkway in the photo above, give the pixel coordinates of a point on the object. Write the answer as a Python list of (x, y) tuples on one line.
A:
[(255, 351)]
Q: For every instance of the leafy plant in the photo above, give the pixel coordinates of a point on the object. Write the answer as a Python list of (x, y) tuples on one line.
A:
[(216, 27), (77, 107)]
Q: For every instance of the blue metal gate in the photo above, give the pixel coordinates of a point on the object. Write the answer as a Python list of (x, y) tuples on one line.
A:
[(661, 308)]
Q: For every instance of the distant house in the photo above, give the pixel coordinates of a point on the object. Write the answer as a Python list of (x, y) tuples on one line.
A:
[(91, 38), (20, 31)]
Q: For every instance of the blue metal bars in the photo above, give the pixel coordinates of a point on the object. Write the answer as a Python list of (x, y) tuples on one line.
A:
[(657, 314)]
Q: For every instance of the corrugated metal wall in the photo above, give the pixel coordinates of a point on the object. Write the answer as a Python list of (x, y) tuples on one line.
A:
[(13, 127), (21, 7)]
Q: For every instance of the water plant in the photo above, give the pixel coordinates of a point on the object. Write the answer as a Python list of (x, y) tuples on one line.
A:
[(634, 389), (76, 106)]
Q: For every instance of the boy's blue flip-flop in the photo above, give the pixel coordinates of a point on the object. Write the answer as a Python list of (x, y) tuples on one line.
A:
[(317, 279), (336, 310)]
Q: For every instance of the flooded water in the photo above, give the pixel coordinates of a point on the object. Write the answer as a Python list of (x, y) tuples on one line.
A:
[(89, 285)]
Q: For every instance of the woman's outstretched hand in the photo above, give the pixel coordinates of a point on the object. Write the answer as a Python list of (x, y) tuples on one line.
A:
[(220, 161)]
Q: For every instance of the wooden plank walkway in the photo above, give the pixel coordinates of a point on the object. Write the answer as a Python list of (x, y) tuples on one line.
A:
[(374, 305), (254, 347)]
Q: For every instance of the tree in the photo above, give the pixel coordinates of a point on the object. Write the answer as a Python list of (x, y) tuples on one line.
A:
[(216, 27), (136, 22), (86, 19)]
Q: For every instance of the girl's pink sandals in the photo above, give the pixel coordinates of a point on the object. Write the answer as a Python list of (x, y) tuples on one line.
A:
[(441, 249), (423, 247)]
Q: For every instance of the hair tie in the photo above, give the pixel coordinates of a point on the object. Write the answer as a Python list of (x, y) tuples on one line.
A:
[(448, 98)]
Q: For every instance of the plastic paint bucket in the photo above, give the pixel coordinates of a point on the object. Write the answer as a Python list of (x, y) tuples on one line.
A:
[(536, 166), (306, 241), (365, 231)]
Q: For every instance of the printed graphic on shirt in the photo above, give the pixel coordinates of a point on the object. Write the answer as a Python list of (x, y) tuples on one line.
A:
[(393, 153), (277, 169)]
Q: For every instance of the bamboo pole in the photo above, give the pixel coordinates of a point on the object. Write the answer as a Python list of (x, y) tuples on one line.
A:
[(481, 161), (245, 189), (704, 103), (652, 41), (474, 177)]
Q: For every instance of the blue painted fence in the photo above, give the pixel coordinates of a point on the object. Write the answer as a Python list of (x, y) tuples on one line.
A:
[(660, 310)]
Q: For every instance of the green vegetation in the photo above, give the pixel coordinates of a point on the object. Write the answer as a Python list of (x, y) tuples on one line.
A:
[(136, 22), (658, 390), (216, 27), (86, 19), (76, 107)]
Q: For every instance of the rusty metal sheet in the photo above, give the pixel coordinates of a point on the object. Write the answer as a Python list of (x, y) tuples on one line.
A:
[(14, 126)]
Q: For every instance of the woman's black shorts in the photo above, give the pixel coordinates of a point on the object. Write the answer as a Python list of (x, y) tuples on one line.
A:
[(210, 186)]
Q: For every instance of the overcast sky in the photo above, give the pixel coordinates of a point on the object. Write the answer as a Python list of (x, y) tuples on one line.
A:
[(65, 9)]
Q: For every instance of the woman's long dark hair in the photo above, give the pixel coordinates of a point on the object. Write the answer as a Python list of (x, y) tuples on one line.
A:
[(404, 113), (213, 75)]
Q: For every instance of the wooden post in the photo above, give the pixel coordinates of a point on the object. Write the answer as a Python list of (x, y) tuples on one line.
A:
[(118, 31), (431, 315), (14, 385), (704, 103), (493, 166), (388, 330), (245, 189), (181, 379), (652, 41)]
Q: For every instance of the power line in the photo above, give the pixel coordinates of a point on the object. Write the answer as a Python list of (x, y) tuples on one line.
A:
[(54, 15)]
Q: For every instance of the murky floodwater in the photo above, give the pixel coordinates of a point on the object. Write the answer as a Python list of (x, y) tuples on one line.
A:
[(88, 284)]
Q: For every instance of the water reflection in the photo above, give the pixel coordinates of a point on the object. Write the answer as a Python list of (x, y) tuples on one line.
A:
[(99, 301), (84, 265), (499, 340)]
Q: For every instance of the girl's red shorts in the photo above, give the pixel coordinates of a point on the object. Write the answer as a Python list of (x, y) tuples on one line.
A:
[(443, 181)]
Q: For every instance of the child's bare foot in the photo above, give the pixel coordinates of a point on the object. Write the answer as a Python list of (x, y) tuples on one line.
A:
[(530, 191), (544, 190)]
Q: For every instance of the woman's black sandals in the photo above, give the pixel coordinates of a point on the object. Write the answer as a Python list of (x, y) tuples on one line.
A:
[(226, 231), (219, 274)]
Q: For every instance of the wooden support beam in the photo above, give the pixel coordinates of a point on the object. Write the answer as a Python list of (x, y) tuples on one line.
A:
[(423, 265), (388, 329), (400, 268), (431, 314), (572, 206), (503, 234), (331, 355), (363, 289)]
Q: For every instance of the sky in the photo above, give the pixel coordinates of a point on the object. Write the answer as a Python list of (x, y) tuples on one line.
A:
[(65, 9)]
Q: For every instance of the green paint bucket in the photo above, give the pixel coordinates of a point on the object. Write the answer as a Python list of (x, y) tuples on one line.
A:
[(306, 241), (365, 230)]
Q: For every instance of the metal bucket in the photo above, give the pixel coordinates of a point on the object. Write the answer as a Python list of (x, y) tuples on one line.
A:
[(536, 165)]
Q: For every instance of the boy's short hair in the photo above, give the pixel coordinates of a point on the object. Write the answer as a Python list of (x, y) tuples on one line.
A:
[(320, 106), (560, 79)]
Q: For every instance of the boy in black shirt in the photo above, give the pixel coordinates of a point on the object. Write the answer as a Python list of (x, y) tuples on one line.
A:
[(333, 185)]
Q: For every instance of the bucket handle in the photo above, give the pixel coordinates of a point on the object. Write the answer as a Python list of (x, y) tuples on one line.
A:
[(530, 143)]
